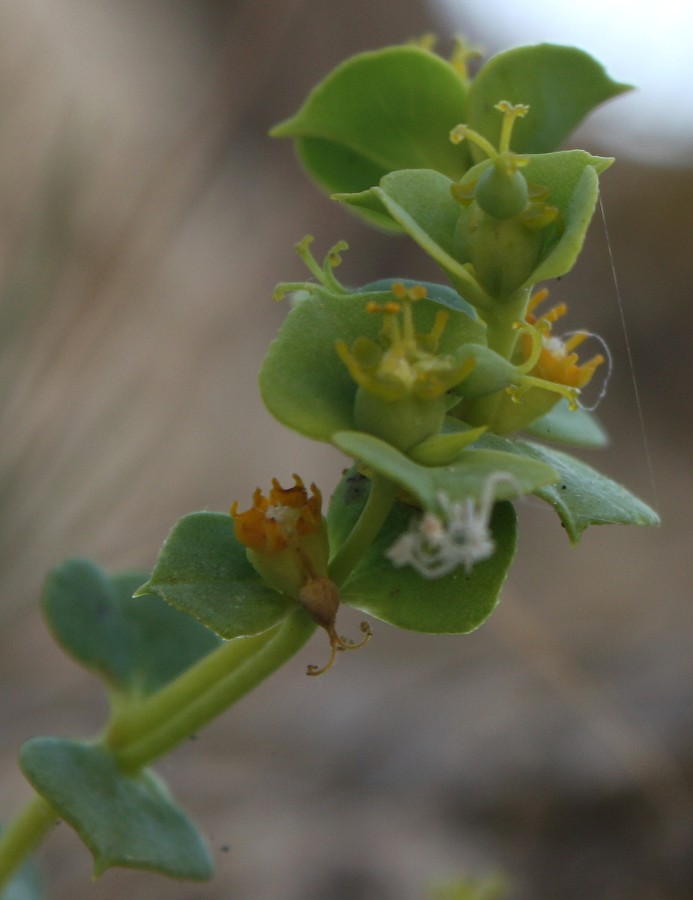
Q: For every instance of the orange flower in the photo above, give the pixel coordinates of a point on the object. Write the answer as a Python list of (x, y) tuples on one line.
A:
[(553, 359), (287, 544), (277, 522)]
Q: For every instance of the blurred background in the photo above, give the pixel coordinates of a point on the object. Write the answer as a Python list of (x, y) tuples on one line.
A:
[(145, 218)]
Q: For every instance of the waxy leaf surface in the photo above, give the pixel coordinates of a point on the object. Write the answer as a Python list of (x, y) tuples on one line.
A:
[(135, 645), (124, 821), (584, 496), (465, 477), (377, 112), (457, 603), (581, 496), (561, 85), (569, 426), (203, 571)]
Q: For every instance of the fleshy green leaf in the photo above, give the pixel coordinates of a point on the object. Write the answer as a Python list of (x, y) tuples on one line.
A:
[(305, 384), (442, 449), (377, 112), (561, 85), (454, 604), (465, 477), (124, 821), (581, 496), (576, 215), (136, 646), (203, 571), (568, 426), (421, 204), (584, 496)]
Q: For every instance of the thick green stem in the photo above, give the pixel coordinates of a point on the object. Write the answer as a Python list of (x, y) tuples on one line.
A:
[(380, 501), (502, 337), (203, 692), (500, 321), (21, 837), (142, 734)]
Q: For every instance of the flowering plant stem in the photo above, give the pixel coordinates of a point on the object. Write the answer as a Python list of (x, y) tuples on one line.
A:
[(22, 836), (139, 735), (142, 734), (378, 506)]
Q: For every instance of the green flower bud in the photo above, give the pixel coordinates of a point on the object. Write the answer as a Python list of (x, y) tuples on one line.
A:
[(502, 192)]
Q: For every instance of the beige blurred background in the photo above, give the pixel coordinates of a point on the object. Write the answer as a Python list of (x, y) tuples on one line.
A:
[(144, 220)]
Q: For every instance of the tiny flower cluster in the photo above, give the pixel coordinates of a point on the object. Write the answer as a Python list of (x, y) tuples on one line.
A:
[(403, 362)]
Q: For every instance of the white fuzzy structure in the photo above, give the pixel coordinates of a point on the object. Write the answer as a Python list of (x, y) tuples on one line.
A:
[(436, 545)]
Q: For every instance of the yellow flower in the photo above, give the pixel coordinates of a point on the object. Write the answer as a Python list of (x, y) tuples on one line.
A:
[(404, 362), (552, 358)]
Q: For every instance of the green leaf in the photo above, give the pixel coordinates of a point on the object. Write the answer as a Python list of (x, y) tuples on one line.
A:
[(305, 384), (26, 884), (128, 821), (454, 604), (569, 426), (561, 85), (442, 449), (584, 496), (419, 201), (465, 477), (136, 646), (560, 257), (203, 571), (377, 112)]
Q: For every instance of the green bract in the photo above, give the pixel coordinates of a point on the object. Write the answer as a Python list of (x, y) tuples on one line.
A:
[(420, 201), (306, 385), (348, 144), (454, 604), (394, 108), (203, 571)]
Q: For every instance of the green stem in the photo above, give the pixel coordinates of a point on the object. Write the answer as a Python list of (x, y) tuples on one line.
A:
[(21, 837), (203, 692), (502, 337), (381, 498)]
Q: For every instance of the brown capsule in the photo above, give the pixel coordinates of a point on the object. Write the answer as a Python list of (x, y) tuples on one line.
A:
[(320, 598)]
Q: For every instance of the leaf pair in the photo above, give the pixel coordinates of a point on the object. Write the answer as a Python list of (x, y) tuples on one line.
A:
[(394, 108), (136, 646)]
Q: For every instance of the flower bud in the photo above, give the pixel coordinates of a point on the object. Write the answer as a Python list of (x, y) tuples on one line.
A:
[(502, 191)]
